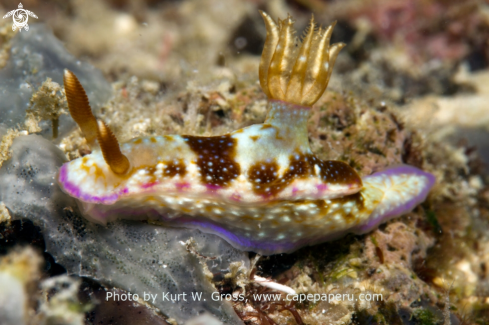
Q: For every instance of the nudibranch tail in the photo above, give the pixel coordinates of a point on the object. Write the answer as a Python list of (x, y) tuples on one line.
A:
[(298, 76), (79, 107), (403, 188)]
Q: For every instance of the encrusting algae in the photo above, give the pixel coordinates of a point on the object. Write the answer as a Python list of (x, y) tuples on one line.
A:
[(261, 187)]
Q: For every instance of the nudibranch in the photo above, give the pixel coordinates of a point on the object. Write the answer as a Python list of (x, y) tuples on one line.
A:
[(261, 188)]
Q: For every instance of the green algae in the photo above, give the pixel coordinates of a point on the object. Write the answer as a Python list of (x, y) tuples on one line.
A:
[(425, 317)]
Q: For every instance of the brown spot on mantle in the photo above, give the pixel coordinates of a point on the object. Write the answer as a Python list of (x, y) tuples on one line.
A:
[(338, 172), (215, 158), (264, 175), (174, 168)]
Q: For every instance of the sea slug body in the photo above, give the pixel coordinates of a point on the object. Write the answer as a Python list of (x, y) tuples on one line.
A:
[(261, 187)]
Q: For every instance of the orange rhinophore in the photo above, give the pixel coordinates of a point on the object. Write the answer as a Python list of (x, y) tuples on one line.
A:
[(113, 156), (92, 130), (79, 107)]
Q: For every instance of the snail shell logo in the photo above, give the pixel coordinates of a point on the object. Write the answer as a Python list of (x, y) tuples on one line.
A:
[(20, 17)]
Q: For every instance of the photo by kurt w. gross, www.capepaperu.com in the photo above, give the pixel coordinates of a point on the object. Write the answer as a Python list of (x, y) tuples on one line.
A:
[(265, 297)]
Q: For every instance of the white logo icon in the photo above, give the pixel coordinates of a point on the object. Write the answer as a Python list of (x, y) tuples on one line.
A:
[(20, 17)]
